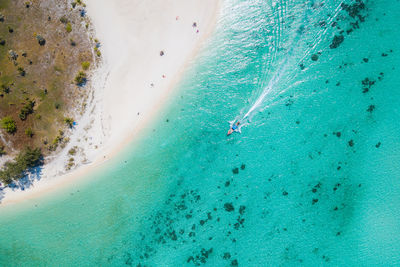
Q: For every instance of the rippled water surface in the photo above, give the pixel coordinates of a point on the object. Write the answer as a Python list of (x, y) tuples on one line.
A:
[(313, 179)]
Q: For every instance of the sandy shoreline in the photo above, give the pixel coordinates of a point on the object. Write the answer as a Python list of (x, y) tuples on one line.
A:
[(133, 81)]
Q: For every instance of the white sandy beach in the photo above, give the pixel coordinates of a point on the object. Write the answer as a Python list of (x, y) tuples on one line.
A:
[(132, 81)]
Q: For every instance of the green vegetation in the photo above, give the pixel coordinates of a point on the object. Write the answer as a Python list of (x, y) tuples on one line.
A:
[(40, 40), (68, 27), (8, 124), (72, 151), (21, 71), (69, 122), (29, 132), (37, 94), (79, 2), (71, 163), (85, 65), (12, 171), (26, 110), (5, 88), (98, 53), (64, 20), (60, 139), (72, 42), (80, 78)]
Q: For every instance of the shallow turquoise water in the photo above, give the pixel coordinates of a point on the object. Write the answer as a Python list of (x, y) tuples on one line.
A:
[(312, 180)]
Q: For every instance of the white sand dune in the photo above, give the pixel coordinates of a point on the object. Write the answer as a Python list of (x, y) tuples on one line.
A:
[(133, 80)]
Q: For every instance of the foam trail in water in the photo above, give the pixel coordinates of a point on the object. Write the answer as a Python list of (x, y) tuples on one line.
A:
[(275, 79), (281, 71)]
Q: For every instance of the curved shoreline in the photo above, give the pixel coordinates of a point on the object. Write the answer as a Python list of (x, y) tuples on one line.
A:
[(172, 32)]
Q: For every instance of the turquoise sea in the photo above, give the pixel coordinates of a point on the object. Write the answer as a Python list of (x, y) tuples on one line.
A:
[(312, 180)]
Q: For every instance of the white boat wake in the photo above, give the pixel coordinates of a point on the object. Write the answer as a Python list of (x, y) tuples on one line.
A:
[(289, 62)]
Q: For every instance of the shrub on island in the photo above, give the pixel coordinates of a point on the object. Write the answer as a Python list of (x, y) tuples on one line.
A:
[(85, 65), (72, 151), (80, 78), (72, 42), (63, 20), (12, 55), (96, 49), (21, 71), (78, 2), (8, 124), (68, 27), (26, 110), (5, 88), (29, 132), (40, 40)]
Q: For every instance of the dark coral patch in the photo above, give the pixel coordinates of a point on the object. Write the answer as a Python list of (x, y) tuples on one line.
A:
[(314, 57), (338, 134), (355, 9), (336, 41), (229, 207), (370, 108), (234, 263), (226, 256), (242, 209), (351, 143), (367, 84)]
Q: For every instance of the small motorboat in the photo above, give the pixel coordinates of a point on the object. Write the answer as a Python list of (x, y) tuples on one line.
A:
[(234, 128)]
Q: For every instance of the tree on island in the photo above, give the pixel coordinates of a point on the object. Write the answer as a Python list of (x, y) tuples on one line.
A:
[(29, 158), (69, 122)]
